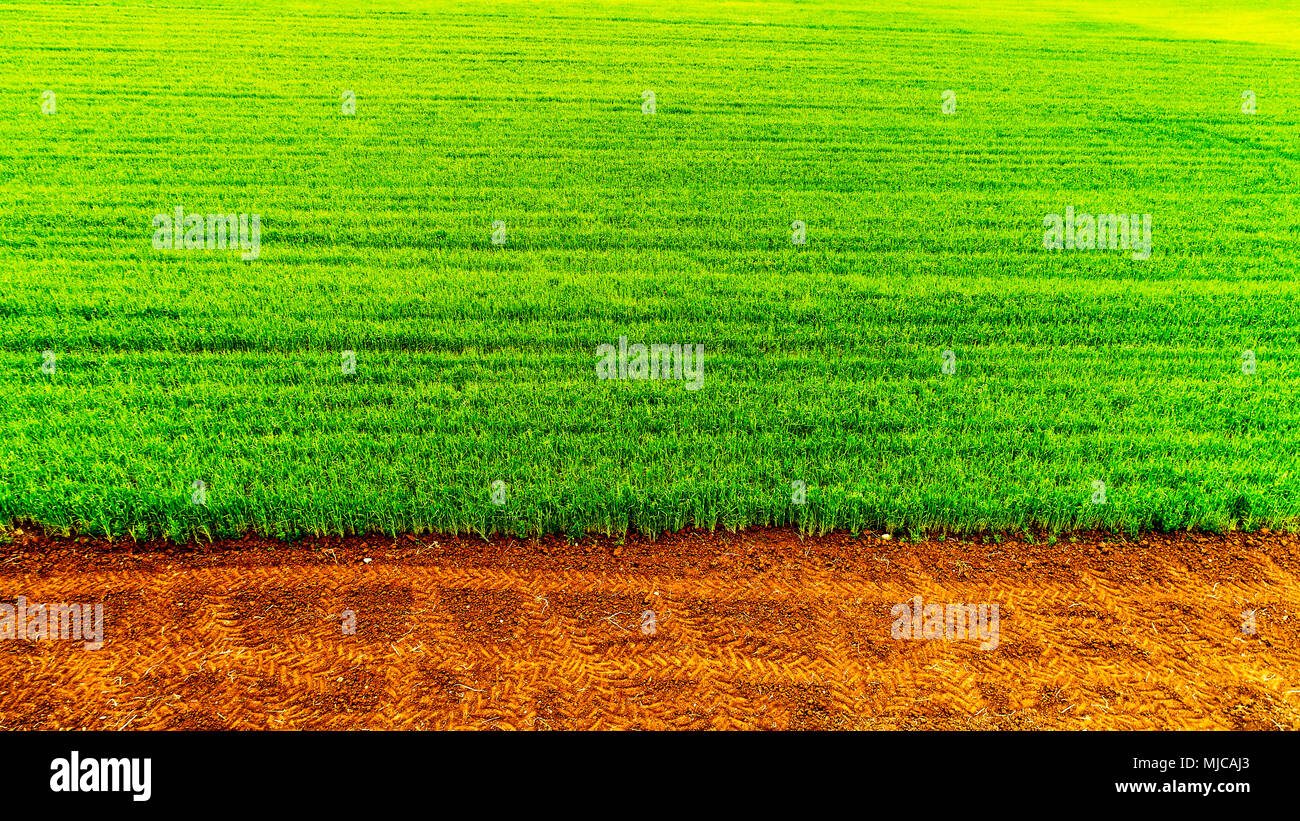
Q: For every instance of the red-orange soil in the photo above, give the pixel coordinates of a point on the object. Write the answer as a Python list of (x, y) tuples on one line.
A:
[(761, 629)]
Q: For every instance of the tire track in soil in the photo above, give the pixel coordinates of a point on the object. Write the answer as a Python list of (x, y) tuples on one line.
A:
[(762, 629)]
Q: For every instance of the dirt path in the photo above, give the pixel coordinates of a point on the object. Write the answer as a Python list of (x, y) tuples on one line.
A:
[(756, 630)]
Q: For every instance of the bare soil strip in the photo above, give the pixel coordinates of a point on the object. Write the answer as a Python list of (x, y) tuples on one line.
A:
[(761, 629)]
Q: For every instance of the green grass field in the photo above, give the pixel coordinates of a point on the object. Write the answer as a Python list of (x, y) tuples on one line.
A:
[(476, 362)]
